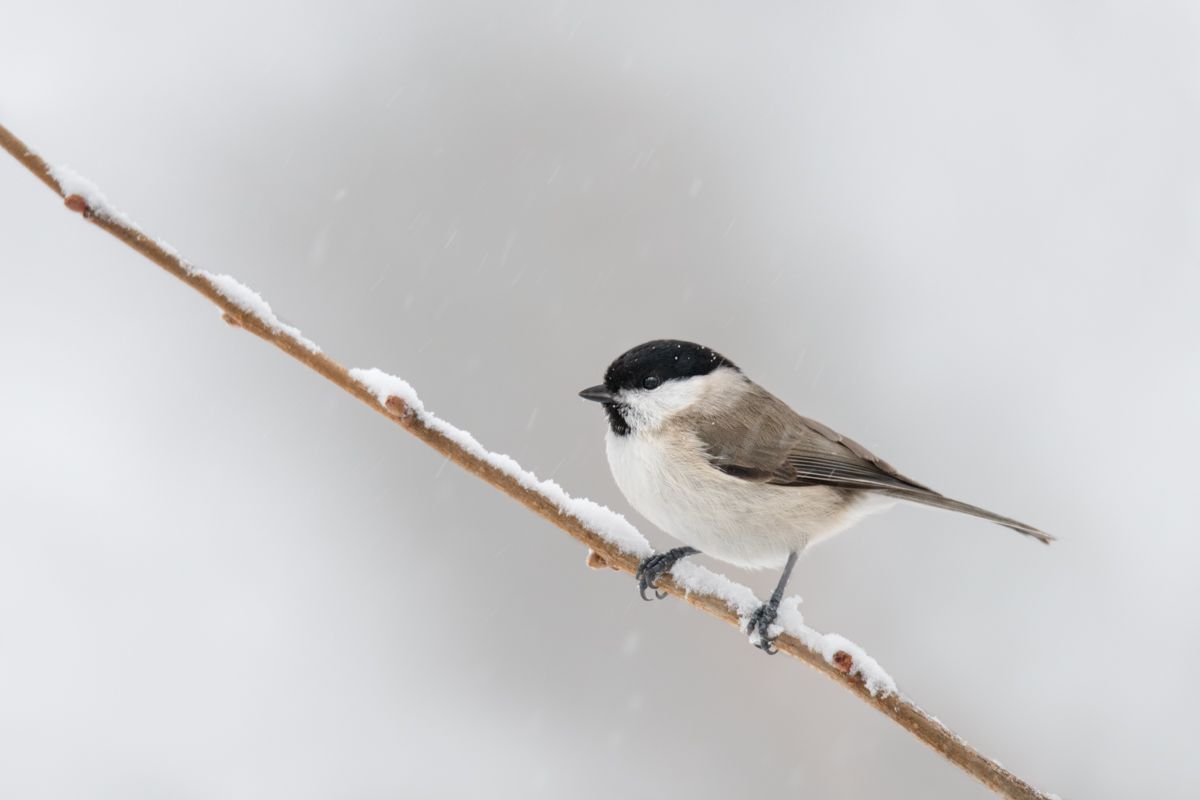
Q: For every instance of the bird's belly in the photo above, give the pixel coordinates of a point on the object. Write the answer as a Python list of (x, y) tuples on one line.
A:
[(751, 525)]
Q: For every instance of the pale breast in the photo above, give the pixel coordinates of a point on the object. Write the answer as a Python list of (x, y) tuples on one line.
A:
[(667, 478)]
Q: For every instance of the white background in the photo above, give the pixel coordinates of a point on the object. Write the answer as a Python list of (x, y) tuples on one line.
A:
[(966, 234)]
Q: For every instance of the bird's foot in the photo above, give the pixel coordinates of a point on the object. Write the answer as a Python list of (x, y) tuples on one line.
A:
[(652, 568), (760, 623)]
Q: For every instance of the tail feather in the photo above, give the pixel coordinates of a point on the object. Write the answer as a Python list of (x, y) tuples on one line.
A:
[(941, 501)]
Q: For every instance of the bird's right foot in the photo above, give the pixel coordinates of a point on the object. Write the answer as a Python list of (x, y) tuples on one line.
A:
[(760, 624), (649, 571)]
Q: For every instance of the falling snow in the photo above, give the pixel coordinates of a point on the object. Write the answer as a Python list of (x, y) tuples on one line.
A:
[(613, 527), (610, 525)]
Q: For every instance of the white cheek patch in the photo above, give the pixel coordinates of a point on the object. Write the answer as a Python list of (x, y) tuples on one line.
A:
[(648, 409)]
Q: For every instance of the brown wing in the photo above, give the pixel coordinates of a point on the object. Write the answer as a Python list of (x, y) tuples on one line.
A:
[(763, 440)]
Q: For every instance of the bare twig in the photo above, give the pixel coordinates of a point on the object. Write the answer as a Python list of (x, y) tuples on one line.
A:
[(604, 553)]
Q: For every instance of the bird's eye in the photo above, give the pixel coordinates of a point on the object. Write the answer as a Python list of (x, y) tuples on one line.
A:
[(650, 382)]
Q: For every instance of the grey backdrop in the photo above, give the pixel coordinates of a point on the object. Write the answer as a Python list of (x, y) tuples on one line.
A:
[(965, 233)]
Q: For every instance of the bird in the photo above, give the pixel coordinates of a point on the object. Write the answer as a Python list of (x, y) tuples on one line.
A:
[(730, 470)]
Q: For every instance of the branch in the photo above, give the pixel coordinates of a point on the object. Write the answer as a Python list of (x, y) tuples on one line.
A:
[(612, 540)]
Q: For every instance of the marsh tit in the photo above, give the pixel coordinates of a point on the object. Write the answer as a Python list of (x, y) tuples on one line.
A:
[(727, 468)]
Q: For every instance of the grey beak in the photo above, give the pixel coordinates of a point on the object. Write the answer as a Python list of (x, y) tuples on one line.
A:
[(598, 394)]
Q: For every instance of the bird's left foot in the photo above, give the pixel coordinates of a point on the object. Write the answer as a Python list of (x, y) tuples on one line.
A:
[(649, 571), (760, 622)]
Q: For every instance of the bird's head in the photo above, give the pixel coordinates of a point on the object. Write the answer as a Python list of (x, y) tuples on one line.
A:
[(649, 383)]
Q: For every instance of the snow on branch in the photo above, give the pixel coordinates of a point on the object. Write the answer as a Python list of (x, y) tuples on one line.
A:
[(614, 528), (692, 578), (614, 542), (253, 304)]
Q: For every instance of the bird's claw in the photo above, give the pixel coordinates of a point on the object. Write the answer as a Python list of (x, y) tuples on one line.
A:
[(761, 621), (648, 573), (653, 567)]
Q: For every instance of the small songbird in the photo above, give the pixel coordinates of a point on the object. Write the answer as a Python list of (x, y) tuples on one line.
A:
[(724, 466)]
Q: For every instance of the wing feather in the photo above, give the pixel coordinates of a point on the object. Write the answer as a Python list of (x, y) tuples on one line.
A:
[(764, 441)]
